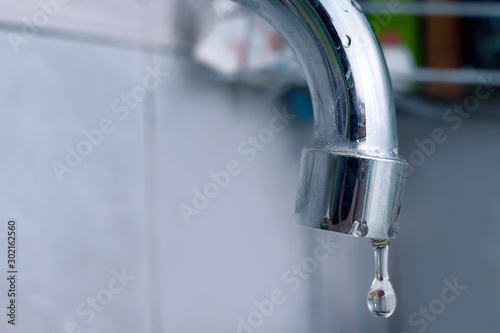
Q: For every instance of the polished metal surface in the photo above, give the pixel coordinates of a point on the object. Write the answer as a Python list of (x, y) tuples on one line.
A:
[(350, 194), (346, 72), (354, 115)]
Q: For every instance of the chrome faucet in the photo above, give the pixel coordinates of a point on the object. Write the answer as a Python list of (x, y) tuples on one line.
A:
[(351, 179)]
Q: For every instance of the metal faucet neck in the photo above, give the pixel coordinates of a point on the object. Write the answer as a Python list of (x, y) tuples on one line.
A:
[(351, 180)]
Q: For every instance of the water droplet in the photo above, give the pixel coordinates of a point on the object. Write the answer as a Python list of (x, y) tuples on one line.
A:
[(359, 228), (381, 298), (356, 5), (347, 42)]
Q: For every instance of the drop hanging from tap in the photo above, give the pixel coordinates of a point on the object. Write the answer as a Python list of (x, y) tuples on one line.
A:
[(381, 298)]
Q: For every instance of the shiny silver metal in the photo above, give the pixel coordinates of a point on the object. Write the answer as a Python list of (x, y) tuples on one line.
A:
[(350, 194), (351, 179)]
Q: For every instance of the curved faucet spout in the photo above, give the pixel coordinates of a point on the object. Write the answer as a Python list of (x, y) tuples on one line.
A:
[(351, 180), (347, 75)]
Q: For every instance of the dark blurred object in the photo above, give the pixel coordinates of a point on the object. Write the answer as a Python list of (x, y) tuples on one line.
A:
[(482, 41), (298, 101), (443, 44)]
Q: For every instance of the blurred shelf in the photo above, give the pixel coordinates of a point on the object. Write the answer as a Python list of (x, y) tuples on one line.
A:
[(457, 9), (454, 76), (89, 37), (113, 35)]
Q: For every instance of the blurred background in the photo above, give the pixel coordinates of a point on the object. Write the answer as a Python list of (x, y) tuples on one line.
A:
[(118, 115)]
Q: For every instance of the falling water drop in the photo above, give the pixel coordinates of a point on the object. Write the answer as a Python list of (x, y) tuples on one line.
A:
[(381, 298)]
